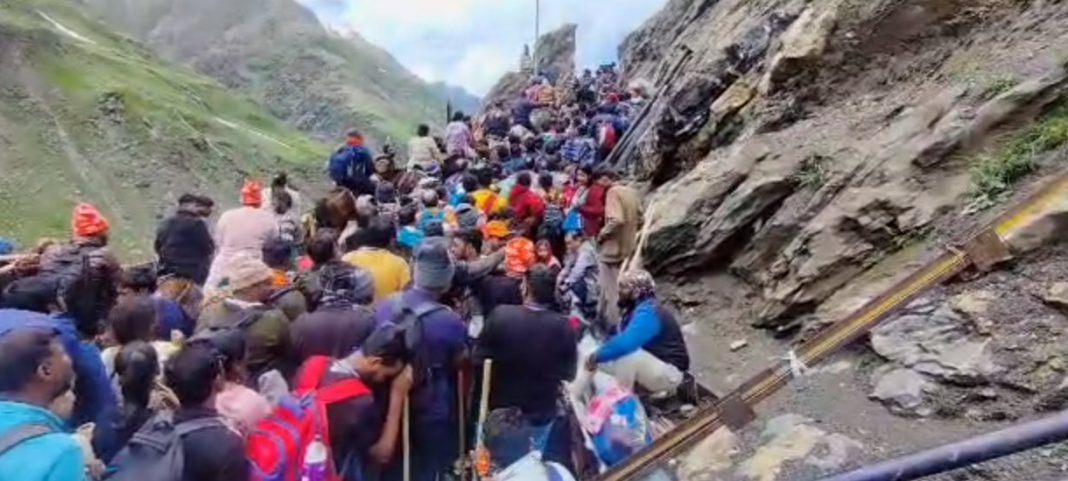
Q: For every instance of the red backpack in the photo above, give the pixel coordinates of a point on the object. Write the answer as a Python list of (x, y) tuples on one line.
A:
[(276, 448)]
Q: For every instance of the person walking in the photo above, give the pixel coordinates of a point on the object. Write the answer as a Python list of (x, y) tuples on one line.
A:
[(183, 244), (438, 353), (533, 352), (423, 153), (241, 233), (617, 239)]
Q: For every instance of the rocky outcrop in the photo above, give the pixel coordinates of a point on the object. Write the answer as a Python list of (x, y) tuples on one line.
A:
[(556, 57), (800, 147)]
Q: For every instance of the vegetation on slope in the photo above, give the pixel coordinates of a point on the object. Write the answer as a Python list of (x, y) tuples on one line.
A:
[(88, 115), (994, 173), (278, 52)]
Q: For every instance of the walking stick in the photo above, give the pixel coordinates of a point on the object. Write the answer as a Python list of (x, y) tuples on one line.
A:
[(635, 261), (461, 407), (407, 435), (482, 457)]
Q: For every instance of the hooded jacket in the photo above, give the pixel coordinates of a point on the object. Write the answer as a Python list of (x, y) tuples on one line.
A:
[(50, 457)]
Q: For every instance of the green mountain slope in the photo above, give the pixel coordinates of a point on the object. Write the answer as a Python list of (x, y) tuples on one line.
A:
[(87, 114), (320, 81)]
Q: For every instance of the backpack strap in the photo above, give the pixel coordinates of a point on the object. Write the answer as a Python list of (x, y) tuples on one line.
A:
[(315, 369), (200, 424), (247, 317), (342, 391), (279, 293), (22, 434)]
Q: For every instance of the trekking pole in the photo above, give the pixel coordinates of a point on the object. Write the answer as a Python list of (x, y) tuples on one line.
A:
[(482, 458), (635, 260), (461, 468), (407, 435)]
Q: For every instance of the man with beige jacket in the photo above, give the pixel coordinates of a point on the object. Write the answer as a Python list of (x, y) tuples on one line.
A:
[(617, 239)]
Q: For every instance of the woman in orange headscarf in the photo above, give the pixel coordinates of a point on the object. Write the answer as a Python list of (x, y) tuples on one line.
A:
[(241, 233)]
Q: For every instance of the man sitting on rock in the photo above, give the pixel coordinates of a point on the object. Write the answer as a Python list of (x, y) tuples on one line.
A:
[(650, 349)]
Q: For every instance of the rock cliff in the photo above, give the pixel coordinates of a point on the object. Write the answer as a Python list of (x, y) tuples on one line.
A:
[(805, 144), (556, 57)]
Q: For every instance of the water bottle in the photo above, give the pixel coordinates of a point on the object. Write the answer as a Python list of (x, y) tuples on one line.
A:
[(315, 463)]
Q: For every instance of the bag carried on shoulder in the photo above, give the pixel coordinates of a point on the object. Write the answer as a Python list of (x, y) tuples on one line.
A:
[(295, 440), (155, 452)]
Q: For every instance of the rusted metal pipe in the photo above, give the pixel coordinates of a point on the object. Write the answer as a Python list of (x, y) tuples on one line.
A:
[(970, 451)]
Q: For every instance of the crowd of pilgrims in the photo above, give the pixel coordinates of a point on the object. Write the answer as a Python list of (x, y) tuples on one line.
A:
[(510, 245)]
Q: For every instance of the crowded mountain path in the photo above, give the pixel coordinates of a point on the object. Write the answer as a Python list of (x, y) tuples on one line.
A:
[(579, 281)]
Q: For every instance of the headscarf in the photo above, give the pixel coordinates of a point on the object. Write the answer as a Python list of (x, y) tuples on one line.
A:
[(637, 284), (345, 285), (87, 221), (519, 256), (252, 194), (496, 229)]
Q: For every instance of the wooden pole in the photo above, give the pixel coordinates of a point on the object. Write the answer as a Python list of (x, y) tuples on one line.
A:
[(407, 439), (635, 260), (482, 458), (461, 408)]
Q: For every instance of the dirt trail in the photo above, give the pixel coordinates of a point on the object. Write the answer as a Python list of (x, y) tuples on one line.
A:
[(66, 31), (255, 132)]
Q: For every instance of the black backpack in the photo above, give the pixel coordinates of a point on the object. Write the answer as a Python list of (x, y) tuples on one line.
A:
[(410, 320), (155, 452)]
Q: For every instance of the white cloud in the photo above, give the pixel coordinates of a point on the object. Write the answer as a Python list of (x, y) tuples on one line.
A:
[(473, 42)]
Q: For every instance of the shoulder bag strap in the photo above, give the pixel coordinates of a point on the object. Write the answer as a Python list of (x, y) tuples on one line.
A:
[(22, 434)]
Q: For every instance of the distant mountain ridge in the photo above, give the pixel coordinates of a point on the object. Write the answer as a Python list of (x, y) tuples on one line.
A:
[(87, 115), (278, 52)]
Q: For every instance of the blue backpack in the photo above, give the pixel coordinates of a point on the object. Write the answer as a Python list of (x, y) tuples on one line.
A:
[(350, 162), (340, 165)]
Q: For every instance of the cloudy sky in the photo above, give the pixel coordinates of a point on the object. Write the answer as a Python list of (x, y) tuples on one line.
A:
[(473, 42)]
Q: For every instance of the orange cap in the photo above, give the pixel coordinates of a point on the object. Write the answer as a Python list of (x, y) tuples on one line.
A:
[(87, 221), (252, 194)]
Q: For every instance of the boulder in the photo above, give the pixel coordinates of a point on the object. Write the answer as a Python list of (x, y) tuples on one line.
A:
[(1056, 295), (682, 206), (712, 455), (974, 305), (940, 345), (903, 391), (802, 46)]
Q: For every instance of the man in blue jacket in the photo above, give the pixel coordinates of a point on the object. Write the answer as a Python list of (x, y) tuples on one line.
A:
[(35, 373), (650, 349), (76, 321), (353, 165)]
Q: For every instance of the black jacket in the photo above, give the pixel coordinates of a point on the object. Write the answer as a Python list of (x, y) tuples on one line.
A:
[(185, 247), (213, 454)]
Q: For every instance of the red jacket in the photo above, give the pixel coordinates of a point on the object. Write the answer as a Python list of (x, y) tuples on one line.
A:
[(593, 210), (526, 204)]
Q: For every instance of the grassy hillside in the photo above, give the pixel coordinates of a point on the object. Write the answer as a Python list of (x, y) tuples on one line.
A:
[(278, 52), (86, 114)]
